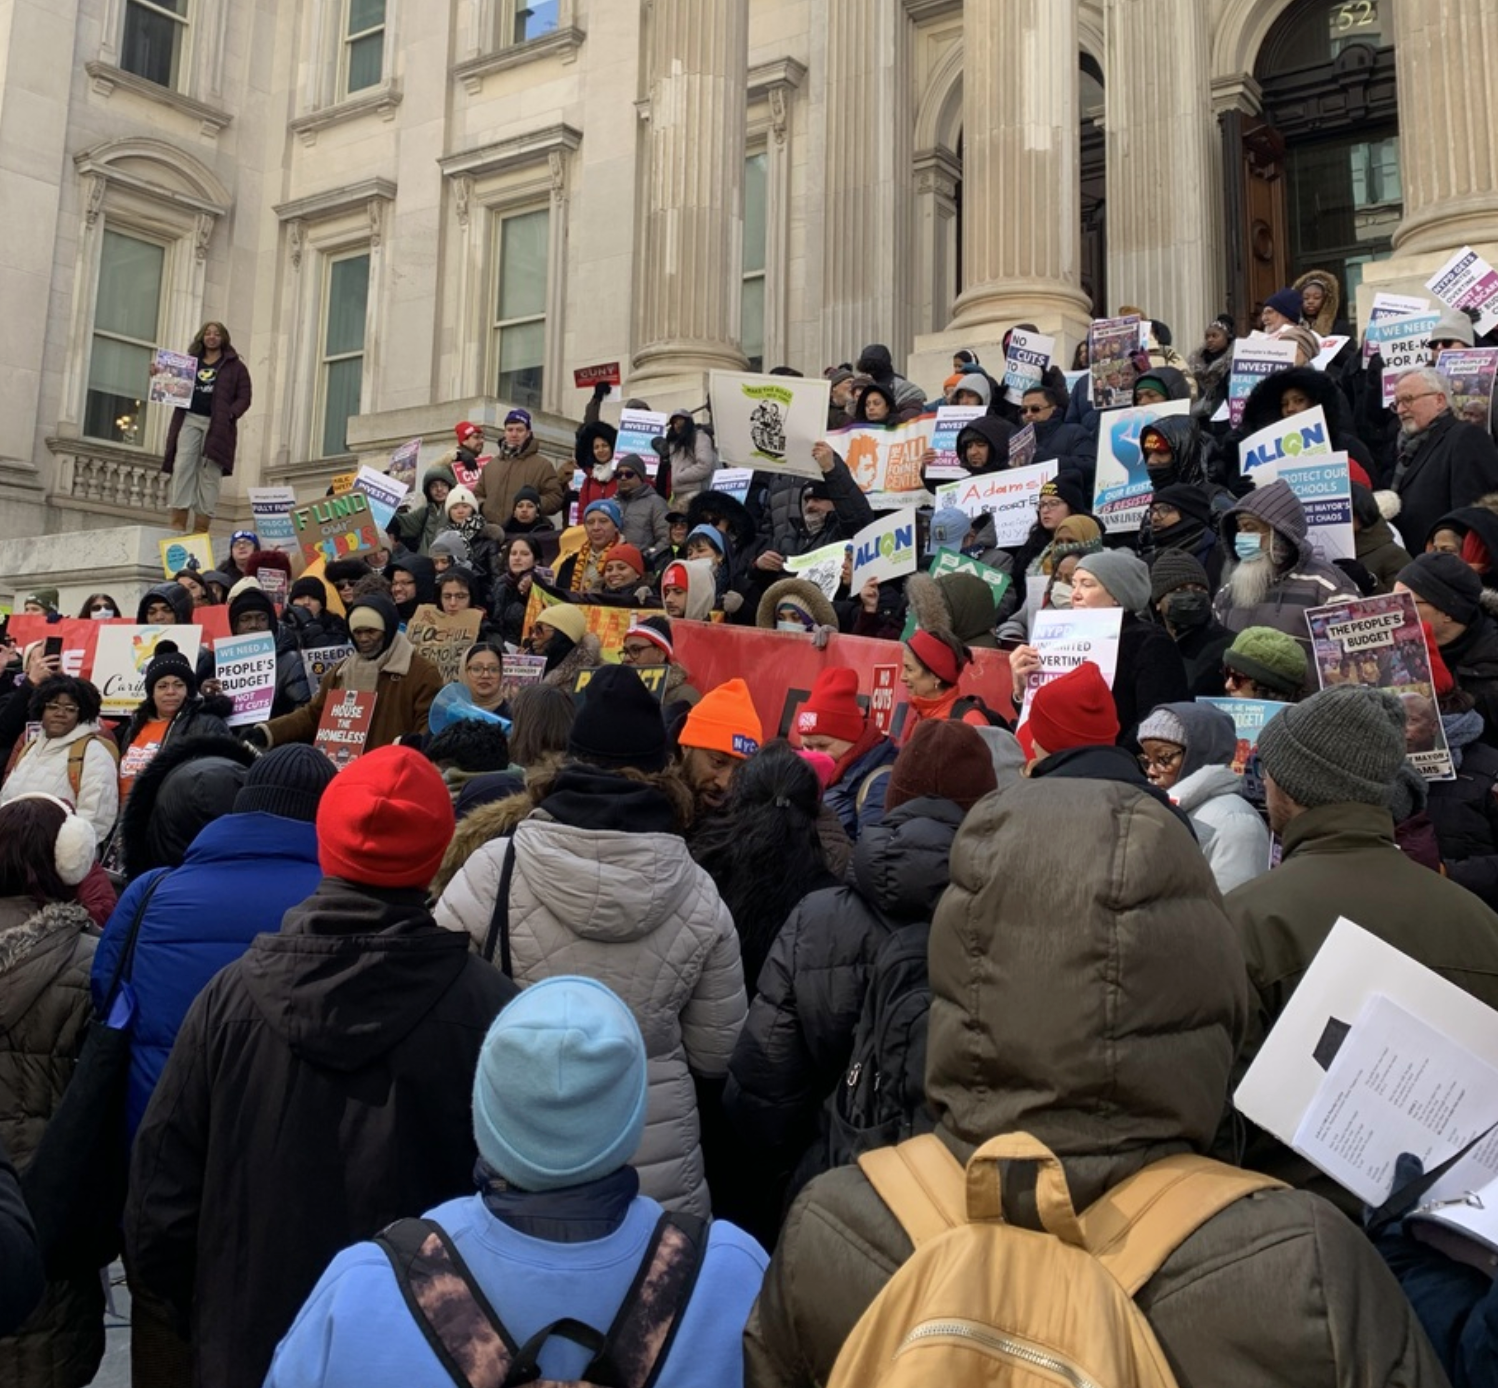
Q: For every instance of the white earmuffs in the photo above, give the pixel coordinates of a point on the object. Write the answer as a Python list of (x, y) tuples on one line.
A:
[(77, 845)]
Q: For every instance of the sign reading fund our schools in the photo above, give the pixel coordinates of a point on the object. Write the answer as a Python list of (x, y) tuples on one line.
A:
[(885, 549), (335, 527), (768, 422)]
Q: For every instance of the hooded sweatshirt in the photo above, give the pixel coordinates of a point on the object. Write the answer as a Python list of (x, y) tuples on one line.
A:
[(701, 586), (173, 593)]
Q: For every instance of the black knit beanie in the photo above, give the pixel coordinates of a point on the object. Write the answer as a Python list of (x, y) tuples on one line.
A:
[(287, 781), (168, 660), (620, 723)]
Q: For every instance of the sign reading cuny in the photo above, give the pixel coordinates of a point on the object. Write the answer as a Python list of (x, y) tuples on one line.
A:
[(335, 527)]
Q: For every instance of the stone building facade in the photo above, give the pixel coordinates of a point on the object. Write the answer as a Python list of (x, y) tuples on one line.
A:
[(408, 214)]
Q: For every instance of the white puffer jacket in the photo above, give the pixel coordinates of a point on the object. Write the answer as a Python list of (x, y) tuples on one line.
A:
[(1228, 828), (636, 913), (43, 767)]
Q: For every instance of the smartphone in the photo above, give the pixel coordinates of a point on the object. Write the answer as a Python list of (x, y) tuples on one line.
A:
[(1011, 643), (52, 647)]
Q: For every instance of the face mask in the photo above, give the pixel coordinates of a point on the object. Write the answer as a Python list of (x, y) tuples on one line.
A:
[(1248, 546), (791, 626), (1061, 594), (1188, 609), (102, 614)]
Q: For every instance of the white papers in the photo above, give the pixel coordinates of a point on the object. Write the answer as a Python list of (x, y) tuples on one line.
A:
[(1330, 346), (1009, 497), (1067, 637), (884, 550), (824, 567)]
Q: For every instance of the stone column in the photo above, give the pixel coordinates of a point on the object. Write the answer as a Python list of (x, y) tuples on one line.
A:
[(1161, 132), (1021, 234), (687, 320), (1448, 123), (867, 229)]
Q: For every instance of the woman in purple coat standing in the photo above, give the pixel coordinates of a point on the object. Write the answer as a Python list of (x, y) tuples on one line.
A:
[(202, 438)]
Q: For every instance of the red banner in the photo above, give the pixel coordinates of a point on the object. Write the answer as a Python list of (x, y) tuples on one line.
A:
[(779, 668), (585, 377), (81, 634)]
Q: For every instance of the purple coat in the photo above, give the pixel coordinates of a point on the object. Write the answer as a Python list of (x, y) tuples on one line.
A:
[(231, 398)]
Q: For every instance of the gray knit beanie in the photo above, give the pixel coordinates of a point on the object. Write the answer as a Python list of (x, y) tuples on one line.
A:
[(1344, 745), (1126, 577)]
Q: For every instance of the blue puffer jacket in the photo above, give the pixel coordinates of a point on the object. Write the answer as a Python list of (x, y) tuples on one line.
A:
[(241, 875), (857, 796)]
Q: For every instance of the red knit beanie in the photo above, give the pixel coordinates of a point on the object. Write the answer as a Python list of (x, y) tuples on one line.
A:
[(1074, 710), (831, 709), (385, 821), (943, 758)]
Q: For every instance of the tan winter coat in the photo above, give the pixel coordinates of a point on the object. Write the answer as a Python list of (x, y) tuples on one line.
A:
[(636, 913), (1095, 999)]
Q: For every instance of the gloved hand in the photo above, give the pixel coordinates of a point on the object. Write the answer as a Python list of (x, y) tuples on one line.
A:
[(601, 388), (732, 602), (820, 635)]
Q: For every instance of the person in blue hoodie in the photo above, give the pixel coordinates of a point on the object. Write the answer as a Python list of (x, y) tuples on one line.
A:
[(558, 1229)]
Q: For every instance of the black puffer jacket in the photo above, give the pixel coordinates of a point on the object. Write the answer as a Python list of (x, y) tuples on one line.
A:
[(1465, 811), (1262, 408), (795, 1046), (189, 783)]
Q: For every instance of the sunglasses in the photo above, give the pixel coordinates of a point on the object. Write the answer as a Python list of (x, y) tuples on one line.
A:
[(625, 472)]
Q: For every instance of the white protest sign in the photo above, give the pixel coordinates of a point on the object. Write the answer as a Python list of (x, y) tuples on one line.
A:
[(1286, 440), (638, 431), (245, 667), (1123, 487), (823, 567), (1323, 486), (769, 422), (951, 420), (1025, 362), (271, 508), (122, 654), (1403, 345), (1009, 497), (1067, 637), (385, 494), (885, 462), (733, 480), (1468, 281), (1330, 346), (1387, 306), (884, 550), (1254, 358)]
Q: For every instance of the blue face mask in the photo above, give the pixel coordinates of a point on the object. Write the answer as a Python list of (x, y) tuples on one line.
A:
[(1248, 546)]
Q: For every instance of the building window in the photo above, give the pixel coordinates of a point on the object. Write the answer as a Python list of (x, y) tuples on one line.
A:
[(752, 292), (363, 45), (520, 307), (341, 359), (155, 35), (127, 318), (529, 19)]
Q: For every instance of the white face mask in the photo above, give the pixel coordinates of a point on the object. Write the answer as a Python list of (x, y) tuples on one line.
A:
[(102, 614), (791, 626), (1060, 594)]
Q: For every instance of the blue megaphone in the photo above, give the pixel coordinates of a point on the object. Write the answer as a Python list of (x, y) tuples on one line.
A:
[(453, 702)]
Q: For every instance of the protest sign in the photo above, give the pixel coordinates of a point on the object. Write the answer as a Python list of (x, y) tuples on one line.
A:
[(1377, 642), (823, 567), (733, 480), (516, 671), (950, 562), (1471, 371), (1025, 362), (1323, 486), (186, 552), (1249, 719), (403, 462), (80, 635), (586, 377), (886, 463), (1330, 346), (638, 431), (607, 623), (443, 637), (1111, 346), (1387, 306), (318, 660), (335, 527), (1022, 446), (1286, 440), (342, 482), (1254, 358), (245, 667), (653, 677), (385, 494), (1402, 343), (270, 508), (951, 420), (1468, 281), (1123, 487), (882, 696), (274, 584), (769, 422), (884, 549), (344, 726), (1067, 637), (1008, 496), (173, 377), (121, 654), (467, 474)]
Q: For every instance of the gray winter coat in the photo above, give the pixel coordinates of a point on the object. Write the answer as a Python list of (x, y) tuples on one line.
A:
[(635, 912), (644, 516)]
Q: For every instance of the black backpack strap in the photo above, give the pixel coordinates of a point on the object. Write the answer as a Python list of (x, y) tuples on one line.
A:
[(637, 1343), (449, 1309), (499, 922), (126, 962)]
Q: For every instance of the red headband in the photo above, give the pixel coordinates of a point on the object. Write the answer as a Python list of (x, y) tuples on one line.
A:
[(935, 655)]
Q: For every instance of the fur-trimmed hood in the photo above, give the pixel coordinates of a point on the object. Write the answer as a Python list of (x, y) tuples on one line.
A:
[(496, 820), (924, 597), (1331, 306), (1262, 408), (37, 942), (804, 591), (951, 604), (741, 527), (160, 821)]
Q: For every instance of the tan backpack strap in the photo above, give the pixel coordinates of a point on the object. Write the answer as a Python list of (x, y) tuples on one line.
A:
[(1138, 1224), (922, 1183)]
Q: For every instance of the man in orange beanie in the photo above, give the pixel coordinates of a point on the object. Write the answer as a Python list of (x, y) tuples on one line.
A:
[(720, 732), (320, 1084), (1071, 731), (832, 721)]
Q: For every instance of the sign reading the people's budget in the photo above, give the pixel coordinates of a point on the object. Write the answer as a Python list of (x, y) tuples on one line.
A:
[(1471, 371), (385, 494), (823, 567), (1468, 281), (1111, 347), (271, 509), (245, 667), (1249, 719), (769, 422), (1253, 359), (121, 656), (1123, 488), (884, 550), (1067, 637), (1008, 496), (886, 463), (1026, 361), (951, 420)]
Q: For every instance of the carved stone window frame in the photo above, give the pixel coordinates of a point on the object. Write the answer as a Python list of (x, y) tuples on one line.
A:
[(771, 128)]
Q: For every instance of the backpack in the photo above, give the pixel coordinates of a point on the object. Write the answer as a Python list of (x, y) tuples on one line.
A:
[(882, 1099), (77, 751), (985, 1302), (472, 1344), (969, 702)]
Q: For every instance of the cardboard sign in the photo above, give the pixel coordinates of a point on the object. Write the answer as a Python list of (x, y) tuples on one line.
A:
[(1467, 281), (885, 549), (1026, 361), (586, 377), (882, 696), (1471, 371), (403, 463), (444, 637), (1123, 487), (336, 527), (951, 420), (121, 655), (1254, 357), (1009, 497), (1067, 637), (385, 494), (173, 376), (824, 567), (769, 422), (1111, 345), (271, 508), (886, 463), (344, 726), (245, 667), (318, 660), (186, 552)]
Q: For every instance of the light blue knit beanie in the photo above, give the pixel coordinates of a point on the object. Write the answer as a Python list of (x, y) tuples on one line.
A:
[(559, 1095)]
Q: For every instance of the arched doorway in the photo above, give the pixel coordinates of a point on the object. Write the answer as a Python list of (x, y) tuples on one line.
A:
[(1319, 184)]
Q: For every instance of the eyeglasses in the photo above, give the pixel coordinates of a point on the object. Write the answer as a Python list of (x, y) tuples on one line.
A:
[(484, 670), (637, 649), (1048, 503), (1166, 761), (53, 706), (1033, 409), (1160, 511), (1408, 400)]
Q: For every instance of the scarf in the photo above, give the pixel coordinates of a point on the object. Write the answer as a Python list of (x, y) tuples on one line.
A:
[(587, 571), (1462, 729), (471, 529), (574, 1214), (363, 676)]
